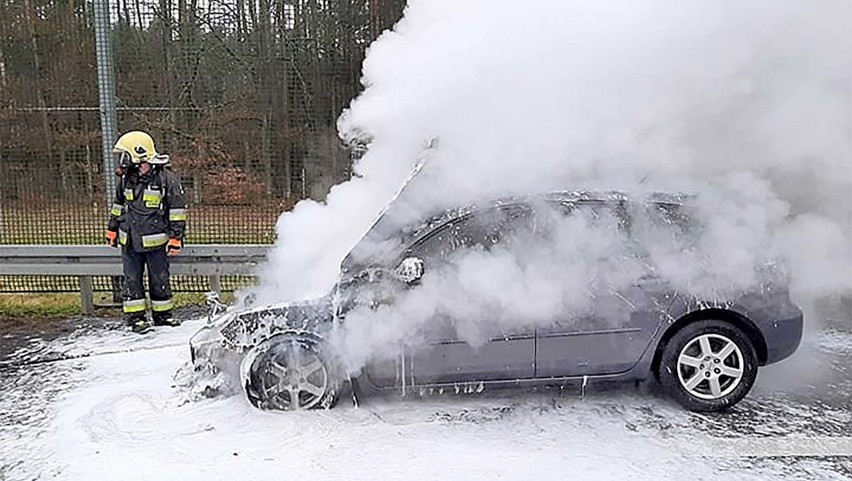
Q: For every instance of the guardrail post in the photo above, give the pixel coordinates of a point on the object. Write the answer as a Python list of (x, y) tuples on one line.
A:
[(87, 295), (117, 284), (216, 283)]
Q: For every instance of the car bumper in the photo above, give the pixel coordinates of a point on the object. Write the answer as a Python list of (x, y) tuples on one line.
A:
[(783, 335), (215, 364)]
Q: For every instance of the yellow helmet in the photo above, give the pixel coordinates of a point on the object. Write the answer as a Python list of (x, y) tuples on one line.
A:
[(139, 146)]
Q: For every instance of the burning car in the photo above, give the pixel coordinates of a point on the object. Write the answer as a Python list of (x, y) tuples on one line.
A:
[(704, 349)]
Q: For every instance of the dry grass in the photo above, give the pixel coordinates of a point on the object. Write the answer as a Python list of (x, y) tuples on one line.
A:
[(39, 305), (53, 306)]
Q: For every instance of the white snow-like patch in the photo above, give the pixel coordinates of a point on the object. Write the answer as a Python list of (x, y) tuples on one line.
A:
[(124, 418), (834, 341)]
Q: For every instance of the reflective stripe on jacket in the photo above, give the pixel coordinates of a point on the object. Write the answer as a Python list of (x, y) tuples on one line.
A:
[(148, 209)]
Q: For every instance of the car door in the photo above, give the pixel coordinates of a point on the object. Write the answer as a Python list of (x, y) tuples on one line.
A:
[(610, 337), (444, 357)]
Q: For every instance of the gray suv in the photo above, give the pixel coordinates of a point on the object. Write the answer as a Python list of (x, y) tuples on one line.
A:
[(705, 352)]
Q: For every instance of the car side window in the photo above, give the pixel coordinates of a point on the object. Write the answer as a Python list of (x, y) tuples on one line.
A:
[(604, 223), (479, 229), (664, 227), (598, 212), (671, 217)]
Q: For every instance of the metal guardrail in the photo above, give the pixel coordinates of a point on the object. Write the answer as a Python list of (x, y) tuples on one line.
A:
[(87, 261)]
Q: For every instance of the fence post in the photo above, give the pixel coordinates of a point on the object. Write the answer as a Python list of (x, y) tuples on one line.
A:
[(106, 90), (87, 295), (109, 116)]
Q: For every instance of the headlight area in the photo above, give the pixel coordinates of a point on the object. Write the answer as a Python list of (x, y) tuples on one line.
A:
[(203, 353), (205, 341), (215, 364), (210, 350)]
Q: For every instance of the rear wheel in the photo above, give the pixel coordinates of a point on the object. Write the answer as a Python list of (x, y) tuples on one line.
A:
[(708, 366), (289, 373)]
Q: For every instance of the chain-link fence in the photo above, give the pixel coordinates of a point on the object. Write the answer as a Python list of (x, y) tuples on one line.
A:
[(242, 94), (59, 284)]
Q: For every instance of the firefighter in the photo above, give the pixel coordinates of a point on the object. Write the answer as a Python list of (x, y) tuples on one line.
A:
[(148, 221)]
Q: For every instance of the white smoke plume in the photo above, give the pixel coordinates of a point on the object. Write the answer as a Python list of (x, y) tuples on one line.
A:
[(746, 104)]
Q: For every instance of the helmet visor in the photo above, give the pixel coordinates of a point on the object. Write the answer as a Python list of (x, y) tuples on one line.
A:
[(123, 158)]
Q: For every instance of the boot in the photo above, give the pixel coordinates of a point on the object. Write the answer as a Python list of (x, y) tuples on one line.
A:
[(139, 324), (165, 319)]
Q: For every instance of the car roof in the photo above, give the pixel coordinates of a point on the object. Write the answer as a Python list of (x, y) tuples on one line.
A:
[(612, 196)]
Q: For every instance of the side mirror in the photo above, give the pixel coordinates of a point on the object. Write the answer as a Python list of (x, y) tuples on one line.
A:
[(410, 270)]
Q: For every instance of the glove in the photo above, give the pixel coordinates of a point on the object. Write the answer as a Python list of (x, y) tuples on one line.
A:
[(173, 247), (112, 238)]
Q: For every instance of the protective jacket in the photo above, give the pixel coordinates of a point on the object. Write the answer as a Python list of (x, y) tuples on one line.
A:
[(148, 209)]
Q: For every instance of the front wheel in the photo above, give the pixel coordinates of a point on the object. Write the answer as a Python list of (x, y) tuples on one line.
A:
[(708, 366), (288, 373)]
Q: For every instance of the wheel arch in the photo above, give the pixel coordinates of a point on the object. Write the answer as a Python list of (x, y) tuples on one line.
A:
[(281, 334), (736, 319)]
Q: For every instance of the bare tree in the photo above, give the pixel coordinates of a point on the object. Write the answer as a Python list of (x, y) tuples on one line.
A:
[(37, 81), (251, 88)]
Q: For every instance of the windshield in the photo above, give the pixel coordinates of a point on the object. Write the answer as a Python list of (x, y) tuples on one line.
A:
[(395, 229)]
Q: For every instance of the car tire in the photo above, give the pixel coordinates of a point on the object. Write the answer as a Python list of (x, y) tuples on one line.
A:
[(287, 367), (708, 366)]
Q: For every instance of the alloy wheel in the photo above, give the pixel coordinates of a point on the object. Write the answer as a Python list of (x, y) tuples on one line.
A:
[(710, 366), (294, 378)]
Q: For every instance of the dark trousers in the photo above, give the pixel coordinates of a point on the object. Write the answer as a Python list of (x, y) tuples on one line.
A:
[(158, 282)]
